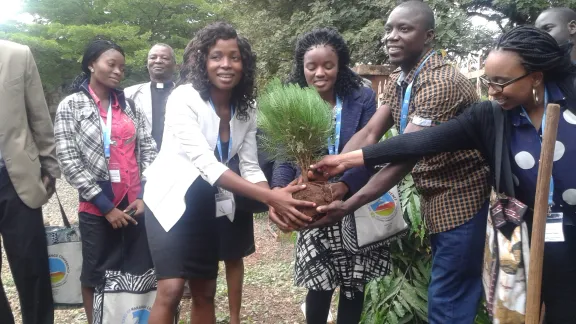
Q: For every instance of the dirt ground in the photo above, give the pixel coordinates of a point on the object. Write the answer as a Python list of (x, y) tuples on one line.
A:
[(269, 294)]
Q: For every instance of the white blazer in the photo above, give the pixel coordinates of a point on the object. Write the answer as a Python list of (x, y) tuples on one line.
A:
[(142, 96), (190, 135)]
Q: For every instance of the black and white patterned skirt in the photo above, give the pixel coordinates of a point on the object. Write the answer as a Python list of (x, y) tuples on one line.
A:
[(322, 262)]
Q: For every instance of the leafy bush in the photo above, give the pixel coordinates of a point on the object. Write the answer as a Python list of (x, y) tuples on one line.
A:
[(402, 296)]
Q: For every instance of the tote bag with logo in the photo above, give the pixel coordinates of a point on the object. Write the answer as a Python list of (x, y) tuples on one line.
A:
[(374, 224), (65, 262)]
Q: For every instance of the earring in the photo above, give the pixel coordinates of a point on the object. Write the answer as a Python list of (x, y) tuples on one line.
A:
[(535, 96), (91, 70)]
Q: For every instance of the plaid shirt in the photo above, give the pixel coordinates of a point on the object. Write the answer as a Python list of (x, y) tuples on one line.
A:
[(453, 185), (80, 148)]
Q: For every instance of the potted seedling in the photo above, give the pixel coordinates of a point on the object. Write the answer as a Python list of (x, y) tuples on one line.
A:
[(296, 124)]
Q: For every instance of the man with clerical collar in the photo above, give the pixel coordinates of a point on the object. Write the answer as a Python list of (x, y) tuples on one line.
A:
[(560, 23), (152, 96), (423, 92)]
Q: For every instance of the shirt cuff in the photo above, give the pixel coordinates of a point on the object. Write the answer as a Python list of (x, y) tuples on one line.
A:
[(213, 172), (256, 177), (102, 203), (371, 155)]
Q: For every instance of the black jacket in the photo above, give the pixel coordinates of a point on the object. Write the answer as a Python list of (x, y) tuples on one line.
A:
[(480, 127)]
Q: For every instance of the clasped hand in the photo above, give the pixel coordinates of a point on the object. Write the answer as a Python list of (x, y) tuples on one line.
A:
[(334, 212)]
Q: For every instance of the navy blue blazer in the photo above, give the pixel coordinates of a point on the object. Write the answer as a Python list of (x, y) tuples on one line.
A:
[(357, 109)]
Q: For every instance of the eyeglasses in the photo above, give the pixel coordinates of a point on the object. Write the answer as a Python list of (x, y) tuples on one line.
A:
[(499, 87)]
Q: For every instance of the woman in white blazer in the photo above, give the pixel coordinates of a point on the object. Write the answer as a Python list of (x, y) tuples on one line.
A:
[(209, 119)]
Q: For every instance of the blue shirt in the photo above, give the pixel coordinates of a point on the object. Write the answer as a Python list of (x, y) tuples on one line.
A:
[(525, 146)]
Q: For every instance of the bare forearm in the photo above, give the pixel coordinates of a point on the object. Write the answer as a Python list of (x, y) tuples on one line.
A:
[(263, 184), (236, 184), (380, 183)]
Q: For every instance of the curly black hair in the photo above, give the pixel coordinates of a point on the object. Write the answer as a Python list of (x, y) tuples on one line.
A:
[(346, 81), (540, 52), (194, 71)]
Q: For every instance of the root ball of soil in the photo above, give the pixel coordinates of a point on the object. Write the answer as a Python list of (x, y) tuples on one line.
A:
[(317, 192)]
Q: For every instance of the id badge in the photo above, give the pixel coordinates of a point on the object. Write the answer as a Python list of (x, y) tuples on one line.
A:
[(114, 169), (225, 204), (554, 229)]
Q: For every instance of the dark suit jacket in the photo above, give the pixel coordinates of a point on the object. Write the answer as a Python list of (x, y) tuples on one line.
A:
[(357, 109)]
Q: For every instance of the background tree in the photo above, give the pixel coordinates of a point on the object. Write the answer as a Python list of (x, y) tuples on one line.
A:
[(509, 13), (273, 27), (62, 28)]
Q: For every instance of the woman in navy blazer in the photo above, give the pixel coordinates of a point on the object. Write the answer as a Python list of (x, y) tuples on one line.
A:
[(322, 263)]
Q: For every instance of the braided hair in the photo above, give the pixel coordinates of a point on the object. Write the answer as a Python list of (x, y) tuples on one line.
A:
[(541, 53), (92, 52), (346, 81), (194, 71)]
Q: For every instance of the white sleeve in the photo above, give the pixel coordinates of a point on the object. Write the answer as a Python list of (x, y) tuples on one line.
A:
[(129, 92), (182, 121), (248, 154)]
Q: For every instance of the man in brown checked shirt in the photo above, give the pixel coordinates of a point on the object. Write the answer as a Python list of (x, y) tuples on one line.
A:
[(454, 186)]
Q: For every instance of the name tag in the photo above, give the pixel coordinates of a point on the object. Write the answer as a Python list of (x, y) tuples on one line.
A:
[(225, 204), (554, 230), (417, 120), (114, 170)]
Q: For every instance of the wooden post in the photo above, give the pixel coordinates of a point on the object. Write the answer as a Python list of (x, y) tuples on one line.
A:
[(540, 213)]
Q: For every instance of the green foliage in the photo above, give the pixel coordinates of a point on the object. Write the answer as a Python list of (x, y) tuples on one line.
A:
[(402, 296), (295, 123), (273, 27), (509, 13), (62, 28), (58, 48)]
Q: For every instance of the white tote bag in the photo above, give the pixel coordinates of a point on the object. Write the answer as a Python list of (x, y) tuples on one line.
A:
[(374, 224), (65, 262), (125, 298)]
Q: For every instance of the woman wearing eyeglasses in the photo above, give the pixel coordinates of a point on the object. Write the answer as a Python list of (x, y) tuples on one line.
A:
[(525, 71)]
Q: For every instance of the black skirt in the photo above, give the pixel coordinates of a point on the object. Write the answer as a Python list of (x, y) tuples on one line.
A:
[(105, 248), (199, 240)]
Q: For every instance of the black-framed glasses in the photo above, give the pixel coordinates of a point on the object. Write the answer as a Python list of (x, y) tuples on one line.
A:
[(499, 87)]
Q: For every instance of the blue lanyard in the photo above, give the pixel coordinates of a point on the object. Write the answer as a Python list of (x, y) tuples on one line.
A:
[(334, 145), (107, 130), (407, 94), (551, 191), (218, 142)]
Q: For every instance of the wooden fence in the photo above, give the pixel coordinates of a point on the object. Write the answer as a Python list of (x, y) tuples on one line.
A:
[(379, 75)]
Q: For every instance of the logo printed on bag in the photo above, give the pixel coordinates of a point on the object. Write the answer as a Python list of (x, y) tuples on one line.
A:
[(59, 270), (384, 206), (137, 315)]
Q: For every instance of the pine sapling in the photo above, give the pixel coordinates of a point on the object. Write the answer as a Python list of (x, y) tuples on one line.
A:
[(296, 124)]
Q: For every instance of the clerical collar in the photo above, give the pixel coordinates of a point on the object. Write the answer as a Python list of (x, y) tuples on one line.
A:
[(162, 85)]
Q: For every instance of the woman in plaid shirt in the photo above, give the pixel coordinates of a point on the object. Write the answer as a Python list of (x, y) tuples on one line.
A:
[(103, 145)]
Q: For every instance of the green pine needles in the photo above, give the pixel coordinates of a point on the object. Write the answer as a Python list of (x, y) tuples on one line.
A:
[(295, 123)]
